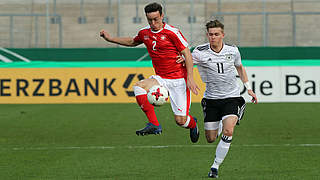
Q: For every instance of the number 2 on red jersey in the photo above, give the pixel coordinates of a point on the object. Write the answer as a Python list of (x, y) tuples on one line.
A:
[(154, 43)]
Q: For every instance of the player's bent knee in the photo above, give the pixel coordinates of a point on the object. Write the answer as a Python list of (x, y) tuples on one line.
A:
[(211, 139), (211, 136), (228, 132), (180, 122), (140, 84), (146, 83)]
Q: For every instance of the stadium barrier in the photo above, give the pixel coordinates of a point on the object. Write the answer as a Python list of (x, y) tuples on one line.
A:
[(69, 85), (273, 81), (134, 54), (85, 81)]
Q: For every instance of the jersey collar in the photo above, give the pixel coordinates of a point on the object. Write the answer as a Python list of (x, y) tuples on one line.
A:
[(164, 24), (223, 47)]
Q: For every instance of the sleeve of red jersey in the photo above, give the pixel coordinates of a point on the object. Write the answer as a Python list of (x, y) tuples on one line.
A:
[(138, 37), (179, 40)]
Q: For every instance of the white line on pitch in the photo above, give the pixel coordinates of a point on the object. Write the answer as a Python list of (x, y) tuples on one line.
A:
[(150, 147)]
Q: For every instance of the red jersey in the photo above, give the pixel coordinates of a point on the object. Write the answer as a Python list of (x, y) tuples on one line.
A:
[(163, 47)]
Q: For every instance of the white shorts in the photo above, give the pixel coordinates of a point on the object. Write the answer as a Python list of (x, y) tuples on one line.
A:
[(179, 94)]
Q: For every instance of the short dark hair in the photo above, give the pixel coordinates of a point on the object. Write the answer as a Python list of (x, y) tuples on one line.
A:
[(214, 24), (153, 7)]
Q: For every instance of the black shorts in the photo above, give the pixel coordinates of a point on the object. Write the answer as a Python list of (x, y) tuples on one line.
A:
[(215, 109)]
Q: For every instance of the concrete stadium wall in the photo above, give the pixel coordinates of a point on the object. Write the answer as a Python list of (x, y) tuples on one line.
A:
[(86, 35)]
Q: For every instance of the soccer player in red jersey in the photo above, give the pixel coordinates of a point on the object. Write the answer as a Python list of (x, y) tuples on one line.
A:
[(164, 44)]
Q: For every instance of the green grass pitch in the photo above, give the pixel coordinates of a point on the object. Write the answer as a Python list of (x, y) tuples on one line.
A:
[(275, 141)]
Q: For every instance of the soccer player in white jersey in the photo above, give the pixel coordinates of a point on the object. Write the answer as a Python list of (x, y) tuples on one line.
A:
[(164, 44), (217, 64)]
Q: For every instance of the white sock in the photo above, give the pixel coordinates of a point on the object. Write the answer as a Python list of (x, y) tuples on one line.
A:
[(222, 150)]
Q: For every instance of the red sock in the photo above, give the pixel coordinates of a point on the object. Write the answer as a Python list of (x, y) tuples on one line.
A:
[(192, 123), (147, 108)]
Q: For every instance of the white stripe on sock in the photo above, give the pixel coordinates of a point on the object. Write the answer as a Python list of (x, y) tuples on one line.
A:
[(187, 122), (139, 90)]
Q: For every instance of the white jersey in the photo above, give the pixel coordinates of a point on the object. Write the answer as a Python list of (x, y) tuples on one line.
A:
[(218, 71)]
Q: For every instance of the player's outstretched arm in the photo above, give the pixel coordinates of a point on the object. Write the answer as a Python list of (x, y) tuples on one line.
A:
[(189, 65), (125, 41), (244, 78)]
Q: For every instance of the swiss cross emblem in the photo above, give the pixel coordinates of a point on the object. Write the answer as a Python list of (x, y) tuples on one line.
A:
[(163, 37)]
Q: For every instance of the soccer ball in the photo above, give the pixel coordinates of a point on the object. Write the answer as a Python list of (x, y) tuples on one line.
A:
[(158, 95)]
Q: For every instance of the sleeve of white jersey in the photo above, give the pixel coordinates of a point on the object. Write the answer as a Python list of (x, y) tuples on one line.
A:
[(196, 57), (237, 61), (202, 68)]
